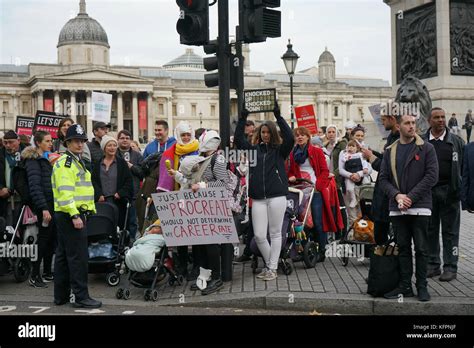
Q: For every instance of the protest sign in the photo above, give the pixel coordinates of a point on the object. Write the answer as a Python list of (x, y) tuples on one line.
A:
[(48, 122), (24, 125), (101, 107), (375, 111), (306, 117), (260, 100), (196, 218)]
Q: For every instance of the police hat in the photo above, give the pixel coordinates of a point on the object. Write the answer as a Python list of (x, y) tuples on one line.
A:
[(76, 132)]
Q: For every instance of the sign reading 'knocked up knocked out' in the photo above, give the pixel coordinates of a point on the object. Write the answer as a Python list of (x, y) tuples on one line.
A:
[(196, 218), (260, 100)]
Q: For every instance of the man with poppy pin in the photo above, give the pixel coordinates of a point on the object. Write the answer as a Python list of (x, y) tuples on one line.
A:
[(408, 173), (446, 197)]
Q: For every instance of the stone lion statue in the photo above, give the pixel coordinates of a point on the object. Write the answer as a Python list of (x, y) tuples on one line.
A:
[(413, 91)]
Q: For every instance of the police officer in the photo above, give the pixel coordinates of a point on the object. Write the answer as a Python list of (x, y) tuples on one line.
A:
[(73, 197)]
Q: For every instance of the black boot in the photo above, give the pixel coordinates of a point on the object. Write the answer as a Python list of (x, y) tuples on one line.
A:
[(213, 286)]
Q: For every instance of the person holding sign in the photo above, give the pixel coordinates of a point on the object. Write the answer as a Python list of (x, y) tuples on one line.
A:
[(186, 145), (207, 170), (268, 185)]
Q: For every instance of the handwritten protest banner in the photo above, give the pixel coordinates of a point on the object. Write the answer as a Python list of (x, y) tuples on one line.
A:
[(306, 117), (260, 100), (47, 121), (24, 125), (196, 218)]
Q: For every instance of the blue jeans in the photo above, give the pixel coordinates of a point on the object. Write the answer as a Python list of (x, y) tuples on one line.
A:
[(317, 213), (132, 224)]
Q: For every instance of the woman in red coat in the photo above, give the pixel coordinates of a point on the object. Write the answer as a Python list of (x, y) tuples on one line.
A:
[(308, 162)]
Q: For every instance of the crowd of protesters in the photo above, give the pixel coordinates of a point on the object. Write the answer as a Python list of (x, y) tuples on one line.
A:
[(423, 183)]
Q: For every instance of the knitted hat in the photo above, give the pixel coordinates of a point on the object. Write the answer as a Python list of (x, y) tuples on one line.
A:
[(106, 139)]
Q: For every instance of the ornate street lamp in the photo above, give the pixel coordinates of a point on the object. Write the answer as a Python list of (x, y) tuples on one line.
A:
[(290, 58)]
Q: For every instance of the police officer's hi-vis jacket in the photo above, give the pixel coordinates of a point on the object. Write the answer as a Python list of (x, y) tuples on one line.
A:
[(72, 186)]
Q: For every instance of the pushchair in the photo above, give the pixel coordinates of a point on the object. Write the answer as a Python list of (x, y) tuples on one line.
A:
[(297, 240), (355, 235), (107, 241), (14, 237), (163, 265)]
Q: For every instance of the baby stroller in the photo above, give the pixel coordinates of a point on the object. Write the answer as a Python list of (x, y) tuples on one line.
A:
[(15, 236), (149, 280), (361, 233), (107, 242), (297, 245)]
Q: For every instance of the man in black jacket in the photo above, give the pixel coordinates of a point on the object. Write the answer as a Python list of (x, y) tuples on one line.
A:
[(100, 129), (10, 155), (409, 171), (446, 197), (134, 160), (380, 212)]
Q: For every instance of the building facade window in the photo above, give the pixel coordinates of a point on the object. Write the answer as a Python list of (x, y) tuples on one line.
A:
[(174, 110), (213, 110), (127, 107), (5, 107), (193, 110), (161, 109), (336, 111)]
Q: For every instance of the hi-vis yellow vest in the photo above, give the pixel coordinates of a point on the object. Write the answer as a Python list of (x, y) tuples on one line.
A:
[(72, 186)]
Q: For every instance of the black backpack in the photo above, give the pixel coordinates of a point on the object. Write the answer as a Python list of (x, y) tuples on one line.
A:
[(20, 182)]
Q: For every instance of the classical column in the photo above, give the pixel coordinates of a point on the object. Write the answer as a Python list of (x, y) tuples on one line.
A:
[(119, 110), (319, 114), (90, 133), (344, 112), (169, 110), (16, 111), (150, 116), (348, 106), (39, 95), (329, 113), (57, 101), (135, 116), (73, 106)]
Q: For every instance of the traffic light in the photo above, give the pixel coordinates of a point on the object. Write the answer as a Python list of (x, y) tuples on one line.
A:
[(193, 23), (257, 22), (212, 64)]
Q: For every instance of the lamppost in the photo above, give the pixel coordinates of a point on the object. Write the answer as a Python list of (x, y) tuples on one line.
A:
[(4, 115), (290, 58), (200, 120)]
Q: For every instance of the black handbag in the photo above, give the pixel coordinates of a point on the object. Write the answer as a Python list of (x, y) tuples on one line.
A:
[(384, 270)]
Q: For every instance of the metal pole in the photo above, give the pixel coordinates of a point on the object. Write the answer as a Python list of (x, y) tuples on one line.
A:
[(240, 77), (227, 250), (224, 72), (292, 107)]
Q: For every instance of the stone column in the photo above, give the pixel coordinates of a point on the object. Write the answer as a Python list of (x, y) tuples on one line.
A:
[(57, 101), (16, 110), (73, 105), (150, 116), (351, 116), (444, 40), (90, 133), (169, 110), (39, 95), (329, 109), (135, 116), (119, 110), (343, 110)]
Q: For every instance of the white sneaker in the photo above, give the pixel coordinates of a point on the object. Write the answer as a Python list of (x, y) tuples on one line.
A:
[(262, 274), (270, 275)]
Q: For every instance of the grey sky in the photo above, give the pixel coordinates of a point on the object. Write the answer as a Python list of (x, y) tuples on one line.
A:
[(143, 32)]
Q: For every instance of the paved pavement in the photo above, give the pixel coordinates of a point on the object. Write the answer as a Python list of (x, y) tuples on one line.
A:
[(328, 288)]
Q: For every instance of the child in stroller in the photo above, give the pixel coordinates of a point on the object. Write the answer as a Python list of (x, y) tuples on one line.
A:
[(148, 262)]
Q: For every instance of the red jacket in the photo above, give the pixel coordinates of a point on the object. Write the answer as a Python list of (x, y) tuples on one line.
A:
[(332, 217)]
